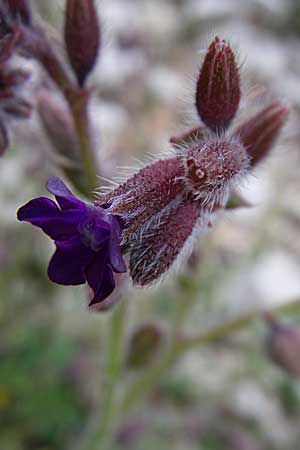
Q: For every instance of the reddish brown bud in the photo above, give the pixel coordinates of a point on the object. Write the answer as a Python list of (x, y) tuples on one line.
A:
[(20, 9), (258, 134), (7, 45), (144, 344), (283, 345), (58, 125), (4, 141), (218, 86), (82, 36)]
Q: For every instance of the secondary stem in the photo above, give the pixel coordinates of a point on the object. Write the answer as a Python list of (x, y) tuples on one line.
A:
[(141, 387)]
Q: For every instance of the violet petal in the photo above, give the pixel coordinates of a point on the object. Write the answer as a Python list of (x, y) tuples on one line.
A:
[(44, 213), (65, 198), (69, 261), (100, 277)]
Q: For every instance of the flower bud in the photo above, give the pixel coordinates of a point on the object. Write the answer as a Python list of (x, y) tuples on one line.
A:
[(218, 86), (7, 45), (283, 345), (58, 125), (21, 10), (144, 344), (82, 36), (4, 141), (258, 134)]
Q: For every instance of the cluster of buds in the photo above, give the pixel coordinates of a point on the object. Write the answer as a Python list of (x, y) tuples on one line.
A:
[(170, 203), (155, 217), (12, 101)]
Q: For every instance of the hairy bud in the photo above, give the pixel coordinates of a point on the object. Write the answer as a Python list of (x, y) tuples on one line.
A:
[(82, 36), (144, 344), (167, 204), (7, 45), (210, 166), (283, 345), (259, 132), (4, 141), (218, 86), (21, 10)]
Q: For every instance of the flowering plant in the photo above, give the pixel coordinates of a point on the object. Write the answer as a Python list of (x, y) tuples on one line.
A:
[(154, 220)]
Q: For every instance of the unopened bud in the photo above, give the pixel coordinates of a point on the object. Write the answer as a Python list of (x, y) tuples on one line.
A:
[(144, 344), (8, 44), (218, 86), (4, 141), (82, 36), (283, 345), (59, 127), (259, 133), (58, 124), (20, 9)]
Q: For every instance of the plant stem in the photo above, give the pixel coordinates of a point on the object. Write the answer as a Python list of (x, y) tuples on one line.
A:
[(78, 103), (232, 326), (141, 387), (100, 437)]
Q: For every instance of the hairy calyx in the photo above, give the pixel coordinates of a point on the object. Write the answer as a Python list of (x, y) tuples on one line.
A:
[(169, 203)]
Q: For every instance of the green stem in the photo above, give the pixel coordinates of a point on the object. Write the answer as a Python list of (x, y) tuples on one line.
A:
[(235, 325), (99, 438), (78, 103), (141, 387)]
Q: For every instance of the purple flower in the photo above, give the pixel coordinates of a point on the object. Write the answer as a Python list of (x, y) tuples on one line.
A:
[(87, 239)]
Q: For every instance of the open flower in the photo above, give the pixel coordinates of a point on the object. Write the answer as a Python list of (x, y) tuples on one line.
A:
[(87, 239)]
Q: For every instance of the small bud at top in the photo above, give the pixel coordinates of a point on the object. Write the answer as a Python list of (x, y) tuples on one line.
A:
[(20, 9), (218, 86), (4, 141), (259, 133), (82, 36)]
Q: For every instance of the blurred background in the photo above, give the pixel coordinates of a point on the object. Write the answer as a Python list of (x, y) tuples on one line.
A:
[(225, 397)]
